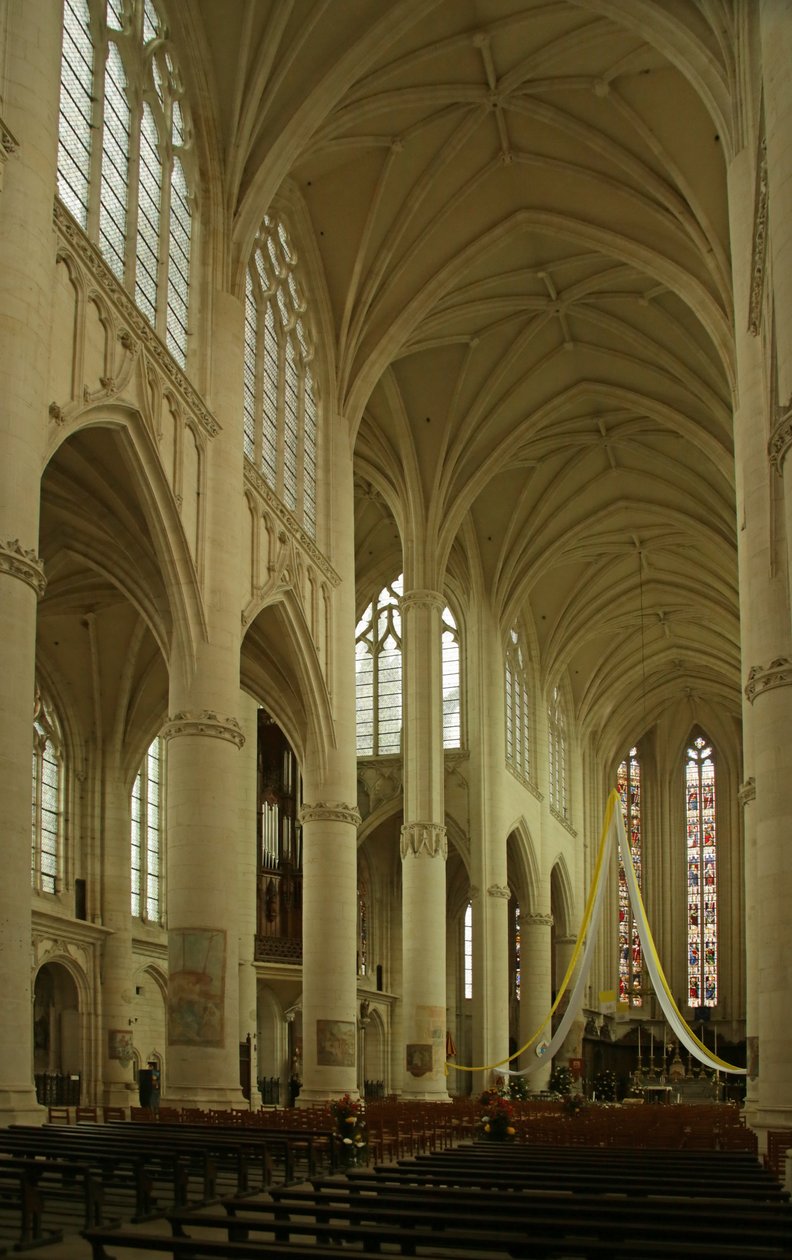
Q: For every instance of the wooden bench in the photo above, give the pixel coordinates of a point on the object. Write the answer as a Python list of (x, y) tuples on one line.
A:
[(22, 1205), (718, 1220)]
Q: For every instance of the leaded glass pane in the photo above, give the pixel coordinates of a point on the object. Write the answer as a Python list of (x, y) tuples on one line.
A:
[(178, 264), (251, 347), (75, 110), (452, 714), (148, 237), (630, 956), (150, 22), (114, 193), (115, 10), (269, 446), (468, 951), (701, 875)]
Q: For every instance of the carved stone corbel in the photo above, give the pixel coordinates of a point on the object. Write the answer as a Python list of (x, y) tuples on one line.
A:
[(426, 838), (22, 564), (204, 723)]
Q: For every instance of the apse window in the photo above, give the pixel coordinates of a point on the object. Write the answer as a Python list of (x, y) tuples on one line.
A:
[(702, 872)]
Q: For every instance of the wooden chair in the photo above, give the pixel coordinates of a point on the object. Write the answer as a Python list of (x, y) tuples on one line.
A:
[(58, 1115), (86, 1115)]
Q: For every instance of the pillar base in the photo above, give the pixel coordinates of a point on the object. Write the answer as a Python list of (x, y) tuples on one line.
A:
[(20, 1106), (320, 1097), (440, 1094)]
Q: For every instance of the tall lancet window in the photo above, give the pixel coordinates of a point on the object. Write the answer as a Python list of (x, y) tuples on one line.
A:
[(557, 753), (125, 159), (378, 674), (517, 698), (47, 808), (452, 683), (630, 958), (467, 949), (280, 396), (146, 833), (702, 873)]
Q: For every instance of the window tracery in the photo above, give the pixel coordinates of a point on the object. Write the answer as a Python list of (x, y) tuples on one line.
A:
[(146, 836), (124, 155), (557, 753), (702, 874), (280, 395), (517, 697), (47, 808), (630, 956)]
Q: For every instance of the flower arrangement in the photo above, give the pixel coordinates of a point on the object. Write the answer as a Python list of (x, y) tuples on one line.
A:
[(496, 1122), (349, 1117), (604, 1086), (561, 1081)]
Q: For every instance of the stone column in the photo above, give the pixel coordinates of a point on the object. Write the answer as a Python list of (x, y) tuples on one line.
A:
[(572, 1045), (330, 820), (205, 768), (536, 996), (246, 889), (117, 992), (28, 145), (767, 660), (424, 849)]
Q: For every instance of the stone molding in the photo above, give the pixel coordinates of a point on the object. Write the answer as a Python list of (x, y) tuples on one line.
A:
[(747, 791), (559, 817), (536, 920), (107, 282), (330, 811), (759, 250), (22, 564), (499, 890), (764, 678), (8, 145), (206, 722), (526, 783), (414, 600), (424, 837), (781, 437), (474, 892), (257, 483), (566, 940)]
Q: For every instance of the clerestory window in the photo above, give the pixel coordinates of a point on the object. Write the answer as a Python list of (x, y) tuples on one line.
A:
[(125, 161), (147, 831), (47, 804)]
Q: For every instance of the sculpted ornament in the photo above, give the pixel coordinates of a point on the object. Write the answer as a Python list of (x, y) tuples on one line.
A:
[(424, 837), (8, 145), (422, 599), (498, 890), (747, 791), (781, 437), (206, 722), (537, 920), (330, 811), (19, 563), (764, 678)]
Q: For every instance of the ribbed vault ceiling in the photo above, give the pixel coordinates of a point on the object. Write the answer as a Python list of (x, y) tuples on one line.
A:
[(514, 213)]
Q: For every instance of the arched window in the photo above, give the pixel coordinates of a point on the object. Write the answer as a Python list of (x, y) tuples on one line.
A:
[(702, 873), (280, 397), (517, 697), (378, 674), (121, 92), (452, 691), (147, 830), (47, 811), (630, 958), (468, 951), (517, 948), (557, 753)]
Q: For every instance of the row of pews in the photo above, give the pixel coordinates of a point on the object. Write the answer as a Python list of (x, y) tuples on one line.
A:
[(492, 1200)]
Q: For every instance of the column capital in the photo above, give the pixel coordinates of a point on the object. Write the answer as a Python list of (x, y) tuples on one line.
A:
[(19, 563), (424, 837), (206, 722), (330, 811), (763, 678), (781, 436), (536, 920), (417, 599), (566, 940), (747, 791), (499, 890)]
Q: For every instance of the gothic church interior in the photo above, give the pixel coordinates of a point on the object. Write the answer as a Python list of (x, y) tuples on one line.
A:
[(396, 401)]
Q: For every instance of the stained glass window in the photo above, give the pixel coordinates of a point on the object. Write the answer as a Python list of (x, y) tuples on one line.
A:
[(119, 80), (283, 409), (557, 753), (362, 928), (47, 810), (517, 951), (702, 881), (147, 828), (630, 959), (517, 706), (468, 950)]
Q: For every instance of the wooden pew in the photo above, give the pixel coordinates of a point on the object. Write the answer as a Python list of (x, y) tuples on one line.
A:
[(22, 1208)]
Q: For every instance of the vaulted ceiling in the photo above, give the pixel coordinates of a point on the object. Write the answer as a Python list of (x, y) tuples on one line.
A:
[(514, 214)]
